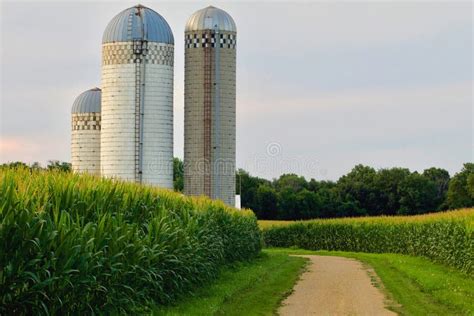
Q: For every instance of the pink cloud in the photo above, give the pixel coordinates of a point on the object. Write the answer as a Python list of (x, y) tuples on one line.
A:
[(19, 149)]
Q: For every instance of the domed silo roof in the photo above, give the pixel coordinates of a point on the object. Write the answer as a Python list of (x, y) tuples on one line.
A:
[(138, 23), (88, 102), (209, 18)]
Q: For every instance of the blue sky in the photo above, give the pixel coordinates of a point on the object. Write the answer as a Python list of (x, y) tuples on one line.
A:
[(321, 86)]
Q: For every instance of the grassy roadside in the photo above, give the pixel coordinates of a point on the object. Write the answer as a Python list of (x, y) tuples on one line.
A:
[(419, 286), (415, 285), (253, 288)]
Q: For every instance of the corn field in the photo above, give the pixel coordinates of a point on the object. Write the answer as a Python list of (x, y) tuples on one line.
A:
[(447, 238), (79, 244)]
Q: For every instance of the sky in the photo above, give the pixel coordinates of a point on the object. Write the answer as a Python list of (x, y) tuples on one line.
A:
[(321, 86)]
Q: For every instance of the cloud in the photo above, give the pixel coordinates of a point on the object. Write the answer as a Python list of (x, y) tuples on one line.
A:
[(410, 127), (19, 149), (328, 24), (384, 83)]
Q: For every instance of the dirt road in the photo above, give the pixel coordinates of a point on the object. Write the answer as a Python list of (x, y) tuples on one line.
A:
[(335, 286)]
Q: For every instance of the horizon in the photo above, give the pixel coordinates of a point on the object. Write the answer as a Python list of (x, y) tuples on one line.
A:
[(383, 84)]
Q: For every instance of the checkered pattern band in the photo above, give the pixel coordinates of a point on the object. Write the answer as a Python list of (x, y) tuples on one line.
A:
[(208, 39), (125, 53), (85, 121)]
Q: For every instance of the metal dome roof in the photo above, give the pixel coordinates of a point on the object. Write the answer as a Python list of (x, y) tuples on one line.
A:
[(138, 22), (88, 102), (209, 18)]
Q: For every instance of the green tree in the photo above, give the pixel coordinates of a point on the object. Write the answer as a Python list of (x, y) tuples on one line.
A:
[(470, 185), (308, 204), (178, 174), (249, 186), (388, 182), (288, 204), (329, 200), (290, 181), (315, 186), (358, 187), (59, 165), (267, 201), (440, 178), (461, 188), (36, 166), (15, 164), (417, 194)]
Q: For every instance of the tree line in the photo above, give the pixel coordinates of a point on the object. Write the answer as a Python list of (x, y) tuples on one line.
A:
[(364, 191), (51, 165)]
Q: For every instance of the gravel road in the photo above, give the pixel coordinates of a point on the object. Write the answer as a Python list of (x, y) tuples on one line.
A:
[(335, 286)]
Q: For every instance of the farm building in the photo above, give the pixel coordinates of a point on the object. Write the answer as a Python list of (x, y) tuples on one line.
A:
[(85, 133), (137, 98), (133, 135), (209, 103)]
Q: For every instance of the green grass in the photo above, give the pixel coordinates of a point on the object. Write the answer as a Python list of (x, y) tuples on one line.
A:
[(417, 285), (252, 288), (413, 285)]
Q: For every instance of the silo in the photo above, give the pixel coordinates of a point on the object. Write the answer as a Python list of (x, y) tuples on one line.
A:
[(137, 98), (209, 102), (85, 134)]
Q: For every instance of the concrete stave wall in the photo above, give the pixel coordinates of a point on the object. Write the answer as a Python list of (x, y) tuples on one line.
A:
[(118, 121), (122, 88), (220, 168), (158, 126), (85, 143)]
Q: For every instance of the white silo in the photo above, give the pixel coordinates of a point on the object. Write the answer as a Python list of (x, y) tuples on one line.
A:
[(137, 98), (209, 102), (85, 134)]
